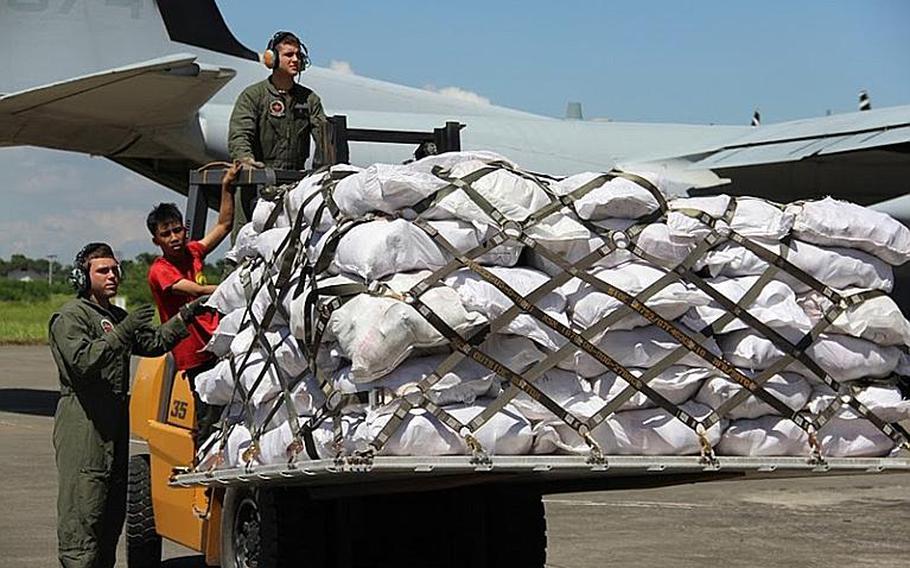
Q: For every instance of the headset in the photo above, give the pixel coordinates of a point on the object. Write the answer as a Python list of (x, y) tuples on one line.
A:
[(79, 276), (270, 56)]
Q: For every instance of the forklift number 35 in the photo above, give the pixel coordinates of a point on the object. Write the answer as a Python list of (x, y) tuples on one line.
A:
[(178, 409)]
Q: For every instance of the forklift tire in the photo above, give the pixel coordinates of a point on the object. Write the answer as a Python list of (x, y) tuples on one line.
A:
[(143, 544), (273, 527)]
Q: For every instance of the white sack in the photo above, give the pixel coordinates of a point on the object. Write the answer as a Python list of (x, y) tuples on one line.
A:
[(382, 247), (378, 333), (384, 187), (228, 327), (775, 306), (642, 347), (448, 160), (618, 197), (632, 432), (878, 319), (216, 385), (268, 246), (844, 358), (308, 194), (561, 386), (232, 294), (422, 434), (753, 217), (590, 305), (835, 267), (677, 384), (885, 401), (789, 388), (465, 383), (263, 210), (479, 295), (244, 244), (765, 436), (839, 223)]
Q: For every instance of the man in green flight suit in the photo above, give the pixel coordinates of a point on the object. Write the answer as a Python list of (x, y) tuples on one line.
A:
[(91, 341), (273, 120)]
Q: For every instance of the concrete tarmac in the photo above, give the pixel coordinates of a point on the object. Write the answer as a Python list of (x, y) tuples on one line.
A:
[(855, 521)]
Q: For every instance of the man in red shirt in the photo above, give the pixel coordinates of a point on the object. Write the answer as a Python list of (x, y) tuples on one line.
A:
[(176, 278)]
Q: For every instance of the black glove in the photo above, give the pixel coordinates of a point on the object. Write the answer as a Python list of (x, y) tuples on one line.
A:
[(190, 310), (139, 318)]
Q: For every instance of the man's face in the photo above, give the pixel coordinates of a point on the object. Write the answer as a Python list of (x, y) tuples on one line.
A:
[(104, 274), (289, 58), (171, 237)]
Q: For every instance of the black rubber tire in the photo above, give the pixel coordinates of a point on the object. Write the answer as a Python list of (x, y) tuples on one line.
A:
[(272, 528), (143, 544)]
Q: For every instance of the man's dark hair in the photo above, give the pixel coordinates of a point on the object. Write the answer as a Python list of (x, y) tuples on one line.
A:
[(163, 213), (96, 250)]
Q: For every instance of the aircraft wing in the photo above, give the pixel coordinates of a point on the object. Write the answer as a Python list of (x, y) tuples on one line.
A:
[(111, 112), (860, 156)]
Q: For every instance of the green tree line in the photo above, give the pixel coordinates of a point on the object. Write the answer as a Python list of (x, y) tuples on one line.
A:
[(134, 285)]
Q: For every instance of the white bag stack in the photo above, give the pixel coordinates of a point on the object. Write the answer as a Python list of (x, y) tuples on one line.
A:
[(459, 304)]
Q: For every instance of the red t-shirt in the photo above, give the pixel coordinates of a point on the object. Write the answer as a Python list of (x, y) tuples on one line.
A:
[(163, 274)]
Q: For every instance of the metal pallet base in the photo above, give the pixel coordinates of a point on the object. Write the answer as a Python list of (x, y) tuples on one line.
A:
[(533, 469)]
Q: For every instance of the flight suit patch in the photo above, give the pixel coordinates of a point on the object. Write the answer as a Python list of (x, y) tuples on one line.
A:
[(107, 326), (276, 108)]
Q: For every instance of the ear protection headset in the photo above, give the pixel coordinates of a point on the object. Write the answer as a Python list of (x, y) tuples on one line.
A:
[(270, 55), (79, 276)]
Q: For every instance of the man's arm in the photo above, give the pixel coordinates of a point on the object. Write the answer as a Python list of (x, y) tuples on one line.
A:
[(225, 211), (150, 342), (190, 288), (69, 334), (242, 129), (320, 125)]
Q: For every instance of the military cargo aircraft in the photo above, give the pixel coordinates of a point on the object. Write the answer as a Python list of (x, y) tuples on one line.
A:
[(150, 85)]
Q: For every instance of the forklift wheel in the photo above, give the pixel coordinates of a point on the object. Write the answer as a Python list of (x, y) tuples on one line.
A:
[(143, 544)]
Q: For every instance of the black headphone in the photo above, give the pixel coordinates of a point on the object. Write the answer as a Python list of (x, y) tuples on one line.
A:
[(79, 276), (270, 55)]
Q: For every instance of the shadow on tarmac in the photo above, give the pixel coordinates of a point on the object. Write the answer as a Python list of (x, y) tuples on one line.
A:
[(29, 401)]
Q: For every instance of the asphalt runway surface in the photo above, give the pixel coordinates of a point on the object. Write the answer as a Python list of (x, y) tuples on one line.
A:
[(855, 521)]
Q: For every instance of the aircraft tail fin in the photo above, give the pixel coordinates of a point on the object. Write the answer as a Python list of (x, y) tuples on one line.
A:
[(50, 41)]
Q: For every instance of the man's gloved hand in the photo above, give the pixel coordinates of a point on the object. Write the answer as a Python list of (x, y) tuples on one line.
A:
[(137, 319), (250, 162), (190, 310)]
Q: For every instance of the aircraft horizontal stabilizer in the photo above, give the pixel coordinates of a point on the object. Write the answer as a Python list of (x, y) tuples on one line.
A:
[(97, 113)]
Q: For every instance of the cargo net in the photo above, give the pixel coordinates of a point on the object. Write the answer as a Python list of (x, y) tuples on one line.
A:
[(459, 305)]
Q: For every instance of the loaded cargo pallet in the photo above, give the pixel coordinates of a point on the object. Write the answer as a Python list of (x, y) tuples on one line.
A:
[(482, 509)]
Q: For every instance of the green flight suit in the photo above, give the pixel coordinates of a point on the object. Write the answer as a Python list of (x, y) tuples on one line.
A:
[(274, 128), (91, 425)]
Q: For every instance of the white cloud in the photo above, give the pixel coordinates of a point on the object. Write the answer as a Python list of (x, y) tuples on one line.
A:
[(57, 201), (461, 94), (342, 67)]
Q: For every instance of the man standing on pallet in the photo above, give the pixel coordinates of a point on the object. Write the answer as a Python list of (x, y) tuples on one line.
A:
[(273, 119)]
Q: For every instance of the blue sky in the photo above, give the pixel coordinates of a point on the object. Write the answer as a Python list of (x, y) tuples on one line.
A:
[(696, 62)]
